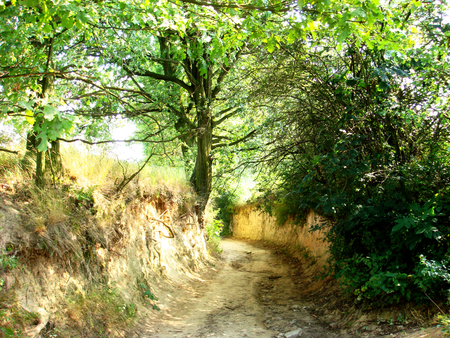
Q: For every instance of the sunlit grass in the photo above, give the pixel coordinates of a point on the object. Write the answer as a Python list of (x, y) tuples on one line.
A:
[(90, 181), (15, 170), (89, 169), (172, 177)]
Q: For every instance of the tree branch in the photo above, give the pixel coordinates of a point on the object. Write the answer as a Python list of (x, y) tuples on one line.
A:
[(245, 138), (283, 7), (157, 76), (9, 151), (223, 73), (126, 180), (145, 140), (227, 116)]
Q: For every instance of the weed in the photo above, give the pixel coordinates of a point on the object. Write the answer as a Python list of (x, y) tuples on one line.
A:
[(226, 202), (402, 319), (8, 261), (147, 294), (444, 322), (306, 253), (84, 194), (14, 318), (51, 332), (100, 306)]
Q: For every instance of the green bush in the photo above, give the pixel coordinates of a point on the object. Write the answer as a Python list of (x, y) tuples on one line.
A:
[(226, 202), (390, 242), (375, 162), (213, 230)]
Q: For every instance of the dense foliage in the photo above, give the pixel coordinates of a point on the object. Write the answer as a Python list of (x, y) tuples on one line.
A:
[(363, 139)]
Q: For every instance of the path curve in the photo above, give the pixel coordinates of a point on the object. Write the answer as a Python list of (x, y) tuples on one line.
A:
[(253, 294)]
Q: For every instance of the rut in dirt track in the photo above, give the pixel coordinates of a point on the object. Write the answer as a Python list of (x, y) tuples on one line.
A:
[(255, 293)]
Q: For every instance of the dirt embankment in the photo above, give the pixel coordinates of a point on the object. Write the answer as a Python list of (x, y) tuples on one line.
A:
[(251, 223), (90, 267), (327, 301)]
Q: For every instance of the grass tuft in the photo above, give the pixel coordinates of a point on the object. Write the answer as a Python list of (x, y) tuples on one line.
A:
[(99, 309)]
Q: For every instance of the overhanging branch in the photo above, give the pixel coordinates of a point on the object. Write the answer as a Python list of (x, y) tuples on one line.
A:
[(245, 138), (282, 7), (224, 118), (145, 140), (162, 77), (9, 151)]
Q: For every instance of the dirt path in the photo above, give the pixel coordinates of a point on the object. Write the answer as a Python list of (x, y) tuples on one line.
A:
[(252, 294)]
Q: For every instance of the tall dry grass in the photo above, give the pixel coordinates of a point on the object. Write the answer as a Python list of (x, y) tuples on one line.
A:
[(55, 215), (15, 170), (94, 169)]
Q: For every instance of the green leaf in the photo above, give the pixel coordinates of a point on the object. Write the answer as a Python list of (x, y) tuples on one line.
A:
[(43, 145), (50, 112), (384, 85), (27, 104), (270, 46), (82, 17), (67, 22), (292, 36), (47, 28), (344, 33), (405, 222), (67, 125)]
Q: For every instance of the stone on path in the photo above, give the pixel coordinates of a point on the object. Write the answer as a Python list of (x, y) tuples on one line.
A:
[(293, 334)]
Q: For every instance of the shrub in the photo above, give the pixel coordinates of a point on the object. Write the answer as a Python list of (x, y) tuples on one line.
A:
[(225, 202), (213, 230)]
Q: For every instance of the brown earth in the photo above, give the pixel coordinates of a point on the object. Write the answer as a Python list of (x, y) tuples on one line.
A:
[(260, 291)]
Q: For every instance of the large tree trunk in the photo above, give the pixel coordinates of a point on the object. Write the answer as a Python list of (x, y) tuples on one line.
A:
[(55, 162), (30, 152), (203, 165), (40, 169), (47, 91), (188, 142)]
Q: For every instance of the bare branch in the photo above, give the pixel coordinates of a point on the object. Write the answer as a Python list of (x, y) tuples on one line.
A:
[(126, 180), (245, 138), (227, 116), (9, 151), (167, 227)]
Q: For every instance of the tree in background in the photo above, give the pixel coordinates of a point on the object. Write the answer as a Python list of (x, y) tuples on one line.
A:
[(38, 54)]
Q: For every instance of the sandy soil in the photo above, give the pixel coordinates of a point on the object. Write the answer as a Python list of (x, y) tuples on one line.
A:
[(252, 292)]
